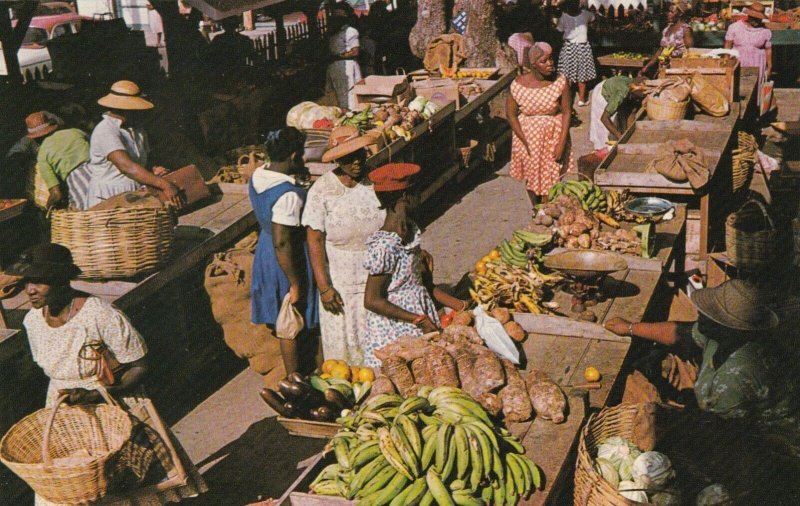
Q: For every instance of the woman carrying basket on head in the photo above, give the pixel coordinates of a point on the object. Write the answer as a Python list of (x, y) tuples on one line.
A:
[(68, 332)]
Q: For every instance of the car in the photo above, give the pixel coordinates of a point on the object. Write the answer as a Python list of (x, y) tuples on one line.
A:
[(51, 20)]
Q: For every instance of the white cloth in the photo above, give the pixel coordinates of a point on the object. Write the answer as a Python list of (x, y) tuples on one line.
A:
[(342, 75), (598, 133), (108, 136), (347, 216), (288, 209), (575, 28), (154, 21)]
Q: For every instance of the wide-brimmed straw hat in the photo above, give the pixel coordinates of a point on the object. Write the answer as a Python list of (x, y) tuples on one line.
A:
[(41, 123), (346, 140), (756, 10), (45, 261), (127, 96), (736, 305)]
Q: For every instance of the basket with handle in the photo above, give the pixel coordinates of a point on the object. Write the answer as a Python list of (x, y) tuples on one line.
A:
[(590, 487), (751, 239), (662, 109), (115, 243), (65, 453), (466, 151)]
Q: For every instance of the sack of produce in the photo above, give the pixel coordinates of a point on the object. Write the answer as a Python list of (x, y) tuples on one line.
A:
[(708, 97)]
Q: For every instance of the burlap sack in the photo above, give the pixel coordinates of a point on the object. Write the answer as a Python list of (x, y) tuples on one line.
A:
[(672, 88), (227, 282), (680, 161), (708, 97), (445, 52)]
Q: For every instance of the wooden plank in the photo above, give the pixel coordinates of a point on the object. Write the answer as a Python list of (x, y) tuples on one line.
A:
[(200, 217), (684, 125), (615, 178), (233, 188), (633, 307), (484, 98), (563, 326), (606, 357), (223, 220), (653, 148)]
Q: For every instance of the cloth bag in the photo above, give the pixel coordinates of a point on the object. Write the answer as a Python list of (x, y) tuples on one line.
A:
[(495, 336), (445, 52), (681, 161), (290, 321), (708, 97)]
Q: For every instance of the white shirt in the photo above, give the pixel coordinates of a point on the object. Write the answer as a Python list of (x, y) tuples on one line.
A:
[(575, 28), (288, 209)]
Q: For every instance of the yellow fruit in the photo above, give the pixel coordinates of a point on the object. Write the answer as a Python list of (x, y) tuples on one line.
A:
[(354, 372), (494, 254), (480, 266), (591, 374), (324, 375), (328, 365), (486, 259), (366, 374), (341, 371)]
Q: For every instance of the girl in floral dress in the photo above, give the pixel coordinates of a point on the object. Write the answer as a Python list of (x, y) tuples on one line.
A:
[(397, 301), (539, 109)]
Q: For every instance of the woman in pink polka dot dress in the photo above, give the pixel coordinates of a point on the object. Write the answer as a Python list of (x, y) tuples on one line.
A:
[(539, 109)]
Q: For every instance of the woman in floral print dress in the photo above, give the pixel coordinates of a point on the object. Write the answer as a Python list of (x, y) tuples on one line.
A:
[(539, 109), (397, 301)]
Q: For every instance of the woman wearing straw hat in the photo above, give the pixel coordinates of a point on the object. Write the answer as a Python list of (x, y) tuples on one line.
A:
[(68, 331), (341, 212), (119, 149), (743, 373), (753, 40), (677, 35)]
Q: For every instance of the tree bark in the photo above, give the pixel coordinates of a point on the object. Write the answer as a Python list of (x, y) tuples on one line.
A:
[(480, 38), (431, 22)]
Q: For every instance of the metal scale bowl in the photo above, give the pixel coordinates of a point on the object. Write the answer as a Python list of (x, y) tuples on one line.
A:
[(585, 270), (650, 210)]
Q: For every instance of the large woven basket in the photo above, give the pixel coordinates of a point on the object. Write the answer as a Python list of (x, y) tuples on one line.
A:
[(661, 109), (751, 240), (590, 488), (37, 448), (115, 243)]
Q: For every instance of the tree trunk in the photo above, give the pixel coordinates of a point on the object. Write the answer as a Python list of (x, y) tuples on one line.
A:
[(431, 22), (480, 39)]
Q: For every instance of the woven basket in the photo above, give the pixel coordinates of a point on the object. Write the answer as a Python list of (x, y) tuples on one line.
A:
[(466, 151), (590, 488), (751, 247), (115, 243), (661, 109), (32, 445)]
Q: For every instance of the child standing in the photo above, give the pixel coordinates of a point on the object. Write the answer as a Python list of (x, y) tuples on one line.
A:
[(576, 61)]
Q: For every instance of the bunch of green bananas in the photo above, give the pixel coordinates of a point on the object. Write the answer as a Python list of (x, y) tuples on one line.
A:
[(591, 197), (437, 447), (360, 120), (629, 54), (516, 251), (511, 286)]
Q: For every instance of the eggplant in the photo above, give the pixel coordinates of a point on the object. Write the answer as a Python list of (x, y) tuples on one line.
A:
[(326, 414), (315, 415), (290, 409), (312, 399), (275, 401), (295, 391), (337, 400), (296, 377), (286, 388)]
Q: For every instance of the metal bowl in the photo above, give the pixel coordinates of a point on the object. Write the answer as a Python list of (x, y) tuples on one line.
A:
[(648, 206), (585, 264)]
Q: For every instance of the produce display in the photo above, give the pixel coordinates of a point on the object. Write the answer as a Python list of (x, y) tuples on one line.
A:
[(497, 284), (476, 73), (712, 23), (629, 55), (639, 476), (303, 115), (437, 446), (320, 397), (394, 120)]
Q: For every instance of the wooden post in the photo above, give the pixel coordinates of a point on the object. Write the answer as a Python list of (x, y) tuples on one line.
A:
[(248, 20), (280, 34), (12, 38)]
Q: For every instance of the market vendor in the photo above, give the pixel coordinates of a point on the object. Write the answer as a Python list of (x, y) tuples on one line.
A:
[(614, 104), (744, 373), (344, 46), (396, 297), (281, 265), (753, 41), (341, 212), (78, 339), (677, 37), (61, 160), (119, 151)]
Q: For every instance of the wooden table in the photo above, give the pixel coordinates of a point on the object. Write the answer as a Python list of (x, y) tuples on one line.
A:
[(625, 166)]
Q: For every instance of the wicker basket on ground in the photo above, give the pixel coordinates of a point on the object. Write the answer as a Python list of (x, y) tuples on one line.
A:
[(590, 487), (116, 243), (661, 109), (66, 453)]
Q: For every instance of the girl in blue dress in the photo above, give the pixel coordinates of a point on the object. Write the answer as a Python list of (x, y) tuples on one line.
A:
[(281, 263)]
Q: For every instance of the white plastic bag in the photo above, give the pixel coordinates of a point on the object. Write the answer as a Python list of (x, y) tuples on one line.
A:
[(290, 321), (495, 336)]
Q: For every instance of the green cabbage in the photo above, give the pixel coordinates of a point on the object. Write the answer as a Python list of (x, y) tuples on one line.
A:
[(615, 449), (625, 468), (632, 490), (607, 471), (418, 104), (653, 470)]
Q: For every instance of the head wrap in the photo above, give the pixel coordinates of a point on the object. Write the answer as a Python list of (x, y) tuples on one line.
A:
[(680, 6), (519, 42), (539, 51)]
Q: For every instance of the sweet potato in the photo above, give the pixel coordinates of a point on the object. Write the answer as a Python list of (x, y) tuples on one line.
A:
[(491, 403), (441, 367), (546, 397), (396, 369), (382, 385), (488, 369), (500, 314), (461, 333), (515, 331), (463, 318), (516, 403), (419, 368), (465, 360), (407, 348)]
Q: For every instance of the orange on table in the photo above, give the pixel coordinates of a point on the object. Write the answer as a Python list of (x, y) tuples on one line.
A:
[(354, 370), (327, 365), (325, 375), (494, 254), (341, 371), (591, 374), (480, 267), (486, 259), (365, 374)]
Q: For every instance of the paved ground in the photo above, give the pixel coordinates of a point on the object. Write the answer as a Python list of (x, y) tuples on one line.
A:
[(233, 435)]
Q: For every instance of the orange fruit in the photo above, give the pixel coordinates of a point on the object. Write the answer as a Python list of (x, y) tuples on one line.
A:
[(354, 372), (327, 365), (591, 374), (480, 267), (324, 375), (494, 254), (487, 259), (366, 374), (341, 371)]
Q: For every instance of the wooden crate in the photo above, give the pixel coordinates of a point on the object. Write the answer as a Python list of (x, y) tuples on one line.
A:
[(722, 73), (610, 61), (309, 428), (10, 208)]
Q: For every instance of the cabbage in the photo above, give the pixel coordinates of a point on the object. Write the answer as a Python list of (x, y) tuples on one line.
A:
[(430, 109), (607, 471), (615, 449), (625, 468), (296, 112), (669, 497), (418, 104), (713, 495), (653, 470), (632, 490)]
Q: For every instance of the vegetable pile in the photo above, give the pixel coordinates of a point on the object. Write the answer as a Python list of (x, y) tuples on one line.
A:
[(394, 120), (437, 446), (638, 476)]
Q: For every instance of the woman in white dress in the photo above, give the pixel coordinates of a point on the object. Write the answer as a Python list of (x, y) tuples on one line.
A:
[(66, 331), (344, 49), (341, 212)]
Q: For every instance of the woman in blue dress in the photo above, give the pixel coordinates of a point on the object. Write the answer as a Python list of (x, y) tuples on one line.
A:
[(281, 263)]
